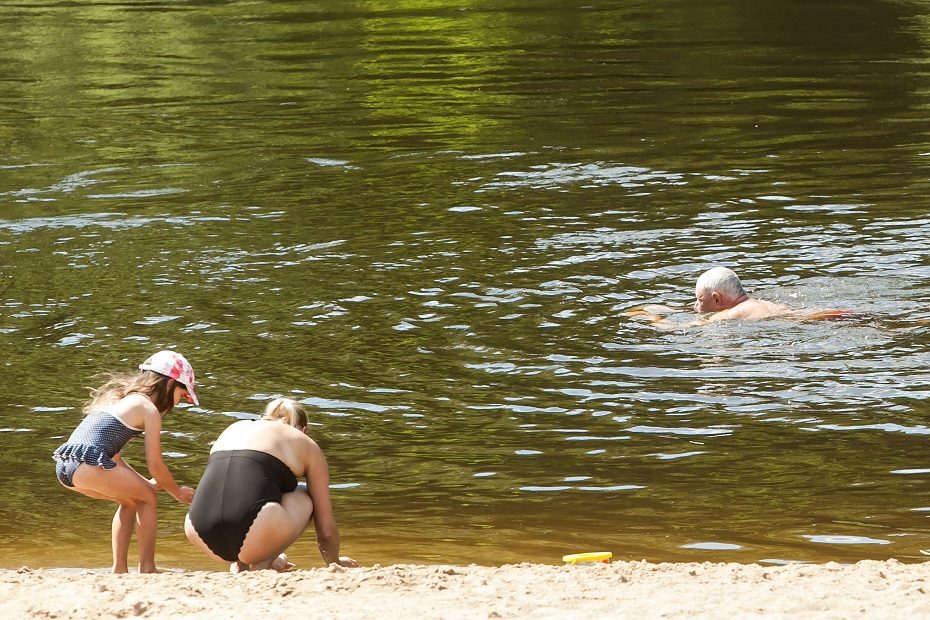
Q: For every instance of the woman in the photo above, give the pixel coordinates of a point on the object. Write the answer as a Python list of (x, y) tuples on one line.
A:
[(249, 506)]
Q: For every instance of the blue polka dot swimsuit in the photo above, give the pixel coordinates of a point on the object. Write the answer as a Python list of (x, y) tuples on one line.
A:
[(95, 441)]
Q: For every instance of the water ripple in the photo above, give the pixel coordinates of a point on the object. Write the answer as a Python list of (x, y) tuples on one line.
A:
[(599, 174)]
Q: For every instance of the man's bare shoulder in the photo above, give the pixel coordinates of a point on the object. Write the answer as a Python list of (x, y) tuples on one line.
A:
[(754, 309)]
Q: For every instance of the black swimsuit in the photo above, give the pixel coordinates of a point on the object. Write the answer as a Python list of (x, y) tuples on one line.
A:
[(236, 484)]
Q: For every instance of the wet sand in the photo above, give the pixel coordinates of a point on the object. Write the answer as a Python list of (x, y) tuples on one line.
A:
[(868, 589)]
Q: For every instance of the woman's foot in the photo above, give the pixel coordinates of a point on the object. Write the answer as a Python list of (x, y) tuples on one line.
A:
[(281, 564), (278, 563)]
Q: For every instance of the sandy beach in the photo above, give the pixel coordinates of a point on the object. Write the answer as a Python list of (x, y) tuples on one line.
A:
[(868, 589)]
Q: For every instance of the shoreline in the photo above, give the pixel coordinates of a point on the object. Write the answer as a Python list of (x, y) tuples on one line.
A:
[(866, 589)]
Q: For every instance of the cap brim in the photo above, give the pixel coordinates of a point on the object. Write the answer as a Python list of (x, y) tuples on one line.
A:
[(190, 396)]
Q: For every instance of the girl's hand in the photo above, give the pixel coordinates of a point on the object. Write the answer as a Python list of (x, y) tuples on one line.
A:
[(186, 495)]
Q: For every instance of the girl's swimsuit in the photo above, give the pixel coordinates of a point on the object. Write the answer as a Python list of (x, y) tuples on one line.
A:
[(236, 484), (95, 441)]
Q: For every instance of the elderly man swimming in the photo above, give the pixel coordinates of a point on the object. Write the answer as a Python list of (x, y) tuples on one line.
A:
[(719, 291), (720, 295)]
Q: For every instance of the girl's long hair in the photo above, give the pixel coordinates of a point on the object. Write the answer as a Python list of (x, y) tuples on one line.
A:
[(158, 387), (288, 411)]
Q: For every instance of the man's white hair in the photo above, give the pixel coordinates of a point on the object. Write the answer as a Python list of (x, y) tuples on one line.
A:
[(722, 280)]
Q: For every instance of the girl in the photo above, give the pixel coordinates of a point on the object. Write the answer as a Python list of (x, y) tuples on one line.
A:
[(249, 506), (90, 463)]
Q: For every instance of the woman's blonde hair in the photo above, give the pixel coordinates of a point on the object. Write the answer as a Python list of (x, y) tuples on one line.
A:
[(287, 410), (158, 387)]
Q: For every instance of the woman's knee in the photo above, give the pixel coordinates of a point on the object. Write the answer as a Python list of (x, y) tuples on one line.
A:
[(298, 502), (275, 528)]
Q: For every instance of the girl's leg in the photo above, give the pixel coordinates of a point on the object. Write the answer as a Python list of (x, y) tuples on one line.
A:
[(124, 521), (275, 528), (138, 505), (146, 534), (127, 516)]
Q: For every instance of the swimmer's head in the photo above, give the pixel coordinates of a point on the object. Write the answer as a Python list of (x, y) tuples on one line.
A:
[(717, 289), (287, 410)]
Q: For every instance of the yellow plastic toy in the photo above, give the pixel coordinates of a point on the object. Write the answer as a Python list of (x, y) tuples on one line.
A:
[(592, 557)]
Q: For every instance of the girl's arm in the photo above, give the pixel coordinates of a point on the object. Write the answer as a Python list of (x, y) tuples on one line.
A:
[(156, 465), (324, 521)]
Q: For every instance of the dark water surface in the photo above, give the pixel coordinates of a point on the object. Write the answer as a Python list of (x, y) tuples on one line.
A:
[(425, 220)]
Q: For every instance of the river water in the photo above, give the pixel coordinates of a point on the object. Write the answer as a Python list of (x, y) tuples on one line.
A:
[(426, 221)]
